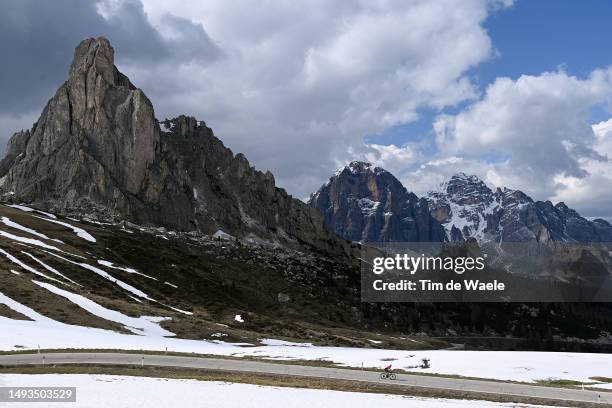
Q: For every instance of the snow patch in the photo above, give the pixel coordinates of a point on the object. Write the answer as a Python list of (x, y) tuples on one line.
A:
[(27, 267), (106, 276), (80, 232), (220, 234), (144, 325), (24, 310), (109, 264), (527, 366), (275, 342), (164, 128), (49, 268), (9, 223), (367, 206), (176, 309), (28, 209), (106, 391), (30, 241)]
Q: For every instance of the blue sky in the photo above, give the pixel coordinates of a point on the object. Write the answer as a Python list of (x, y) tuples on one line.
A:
[(541, 35), (537, 36), (529, 38)]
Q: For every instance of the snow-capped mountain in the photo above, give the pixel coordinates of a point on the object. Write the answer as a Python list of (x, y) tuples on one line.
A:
[(467, 207), (464, 205), (365, 203)]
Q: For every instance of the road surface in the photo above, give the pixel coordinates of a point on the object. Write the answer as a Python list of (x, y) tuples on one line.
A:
[(249, 366)]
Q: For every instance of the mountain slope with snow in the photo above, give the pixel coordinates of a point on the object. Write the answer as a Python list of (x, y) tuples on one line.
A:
[(468, 208)]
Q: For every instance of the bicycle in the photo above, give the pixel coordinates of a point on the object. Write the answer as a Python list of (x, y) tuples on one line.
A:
[(387, 376)]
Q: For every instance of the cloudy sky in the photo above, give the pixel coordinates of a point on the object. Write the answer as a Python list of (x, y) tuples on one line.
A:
[(518, 93)]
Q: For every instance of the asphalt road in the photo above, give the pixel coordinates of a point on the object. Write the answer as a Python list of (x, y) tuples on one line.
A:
[(489, 387)]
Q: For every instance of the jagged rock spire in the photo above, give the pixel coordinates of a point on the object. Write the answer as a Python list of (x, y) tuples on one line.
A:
[(94, 54), (98, 150)]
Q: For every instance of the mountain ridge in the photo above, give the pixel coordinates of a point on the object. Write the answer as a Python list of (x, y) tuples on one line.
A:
[(463, 207), (468, 207), (97, 150)]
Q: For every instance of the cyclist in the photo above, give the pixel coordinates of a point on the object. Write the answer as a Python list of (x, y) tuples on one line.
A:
[(388, 368)]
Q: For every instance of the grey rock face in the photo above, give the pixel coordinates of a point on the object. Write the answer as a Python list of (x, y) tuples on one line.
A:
[(466, 207), (14, 150), (97, 149), (368, 204)]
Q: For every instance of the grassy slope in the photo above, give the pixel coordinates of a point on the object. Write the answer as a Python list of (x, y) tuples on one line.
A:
[(217, 280)]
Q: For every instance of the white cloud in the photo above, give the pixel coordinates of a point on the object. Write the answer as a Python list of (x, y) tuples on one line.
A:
[(592, 193), (432, 173), (300, 83), (390, 157), (533, 133)]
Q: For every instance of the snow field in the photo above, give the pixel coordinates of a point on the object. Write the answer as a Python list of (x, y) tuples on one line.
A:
[(112, 391)]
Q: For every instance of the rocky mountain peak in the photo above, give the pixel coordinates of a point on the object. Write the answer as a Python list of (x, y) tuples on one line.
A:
[(365, 203), (361, 167), (466, 207), (97, 55), (562, 208), (467, 189), (508, 197), (98, 151), (465, 178)]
